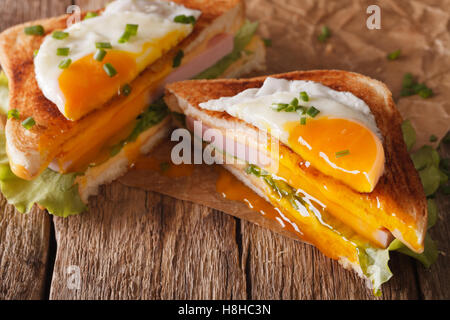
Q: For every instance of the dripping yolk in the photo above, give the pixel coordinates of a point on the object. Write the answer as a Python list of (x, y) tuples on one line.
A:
[(340, 148), (86, 85)]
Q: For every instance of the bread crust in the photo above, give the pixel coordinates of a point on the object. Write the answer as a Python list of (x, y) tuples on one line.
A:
[(399, 189)]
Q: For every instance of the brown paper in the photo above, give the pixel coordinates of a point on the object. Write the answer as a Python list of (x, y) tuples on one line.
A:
[(418, 28)]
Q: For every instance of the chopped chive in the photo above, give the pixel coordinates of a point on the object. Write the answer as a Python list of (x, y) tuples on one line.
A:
[(326, 33), (342, 153), (410, 87), (177, 60), (64, 64), (303, 121), (28, 123), (103, 45), (126, 90), (132, 29), (394, 55), (90, 15), (301, 110), (279, 106), (37, 30), (100, 55), (294, 103), (13, 113), (109, 69), (125, 37), (64, 52), (433, 138), (164, 166), (312, 112), (60, 35), (184, 19), (267, 42), (304, 96), (35, 53), (425, 93)]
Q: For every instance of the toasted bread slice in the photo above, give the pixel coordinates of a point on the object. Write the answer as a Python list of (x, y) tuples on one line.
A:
[(31, 151), (397, 203)]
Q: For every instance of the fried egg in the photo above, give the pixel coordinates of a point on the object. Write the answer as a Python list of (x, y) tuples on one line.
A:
[(342, 140), (84, 84)]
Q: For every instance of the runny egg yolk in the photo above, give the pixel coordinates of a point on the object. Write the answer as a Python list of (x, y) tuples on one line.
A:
[(86, 85), (340, 148)]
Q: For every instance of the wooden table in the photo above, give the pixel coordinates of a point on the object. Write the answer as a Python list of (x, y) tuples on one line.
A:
[(135, 244)]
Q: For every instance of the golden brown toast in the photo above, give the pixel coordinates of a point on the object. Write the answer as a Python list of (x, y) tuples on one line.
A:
[(398, 202), (37, 147)]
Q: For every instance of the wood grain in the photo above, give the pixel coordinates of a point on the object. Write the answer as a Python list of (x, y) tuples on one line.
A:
[(24, 239), (140, 245)]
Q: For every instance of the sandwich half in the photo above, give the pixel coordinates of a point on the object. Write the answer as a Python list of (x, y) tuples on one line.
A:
[(84, 100), (332, 160)]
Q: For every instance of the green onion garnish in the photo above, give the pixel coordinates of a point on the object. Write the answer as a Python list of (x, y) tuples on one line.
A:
[(279, 106), (312, 112), (90, 15), (342, 153), (103, 45), (294, 103), (303, 120), (64, 52), (410, 87), (130, 30), (109, 69), (126, 90), (304, 96), (60, 35), (433, 138), (184, 19), (13, 113), (394, 55), (325, 34), (37, 30), (267, 42), (177, 60), (64, 64), (100, 55), (35, 53), (28, 123)]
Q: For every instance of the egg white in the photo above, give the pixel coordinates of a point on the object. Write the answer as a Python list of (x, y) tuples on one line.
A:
[(255, 106), (155, 20)]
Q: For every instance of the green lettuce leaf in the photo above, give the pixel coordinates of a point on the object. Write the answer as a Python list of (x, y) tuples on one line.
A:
[(57, 192), (154, 114), (427, 257), (241, 40), (374, 265), (4, 98)]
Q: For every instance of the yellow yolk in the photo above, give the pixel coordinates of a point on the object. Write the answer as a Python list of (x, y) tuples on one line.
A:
[(86, 85), (340, 148)]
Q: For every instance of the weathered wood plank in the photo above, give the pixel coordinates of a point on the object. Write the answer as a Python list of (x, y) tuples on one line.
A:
[(134, 244), (24, 239)]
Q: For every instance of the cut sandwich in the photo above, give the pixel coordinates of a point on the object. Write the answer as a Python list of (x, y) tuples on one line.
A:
[(338, 166), (84, 99)]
